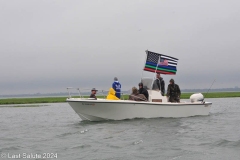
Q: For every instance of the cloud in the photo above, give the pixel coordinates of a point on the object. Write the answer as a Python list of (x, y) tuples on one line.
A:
[(47, 46)]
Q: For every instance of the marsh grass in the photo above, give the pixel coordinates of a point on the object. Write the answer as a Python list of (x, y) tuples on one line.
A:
[(63, 99)]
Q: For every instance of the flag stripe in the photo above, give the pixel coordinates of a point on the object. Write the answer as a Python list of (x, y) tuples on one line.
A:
[(161, 66), (173, 65), (169, 61), (169, 57), (167, 67), (162, 69), (162, 72)]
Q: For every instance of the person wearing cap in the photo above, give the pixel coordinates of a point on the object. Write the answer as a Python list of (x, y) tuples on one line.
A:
[(159, 84), (135, 96), (117, 87), (143, 90), (173, 92), (93, 93)]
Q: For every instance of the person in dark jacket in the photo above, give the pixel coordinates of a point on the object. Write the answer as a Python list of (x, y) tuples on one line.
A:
[(173, 92), (135, 96), (143, 90), (93, 94), (159, 84), (117, 87)]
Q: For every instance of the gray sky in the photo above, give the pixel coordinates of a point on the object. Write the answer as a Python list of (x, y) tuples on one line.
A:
[(47, 45)]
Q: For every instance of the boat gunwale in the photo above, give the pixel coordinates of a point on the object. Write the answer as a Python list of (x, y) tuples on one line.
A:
[(137, 102)]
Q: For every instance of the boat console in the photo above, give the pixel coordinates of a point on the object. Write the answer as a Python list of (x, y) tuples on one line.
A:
[(154, 95)]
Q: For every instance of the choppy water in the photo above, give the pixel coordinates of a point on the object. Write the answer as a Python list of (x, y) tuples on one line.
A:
[(57, 129)]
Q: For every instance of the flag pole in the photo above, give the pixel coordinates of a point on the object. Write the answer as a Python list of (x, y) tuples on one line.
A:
[(144, 64), (156, 70)]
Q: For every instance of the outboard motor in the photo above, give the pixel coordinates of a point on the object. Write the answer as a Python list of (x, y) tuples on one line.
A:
[(196, 97)]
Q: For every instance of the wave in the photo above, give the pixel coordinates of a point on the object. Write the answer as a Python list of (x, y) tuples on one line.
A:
[(227, 143), (12, 148), (81, 146), (72, 133)]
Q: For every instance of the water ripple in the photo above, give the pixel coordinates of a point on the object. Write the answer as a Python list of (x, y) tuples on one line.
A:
[(58, 129)]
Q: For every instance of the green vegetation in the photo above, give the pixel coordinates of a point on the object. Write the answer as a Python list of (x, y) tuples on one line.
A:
[(213, 95), (32, 100), (63, 99)]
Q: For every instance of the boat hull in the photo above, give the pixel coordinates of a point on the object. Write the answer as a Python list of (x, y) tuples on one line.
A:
[(98, 110)]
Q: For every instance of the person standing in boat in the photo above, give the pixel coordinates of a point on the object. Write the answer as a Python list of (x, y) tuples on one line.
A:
[(93, 93), (173, 92), (159, 84), (117, 87), (143, 90)]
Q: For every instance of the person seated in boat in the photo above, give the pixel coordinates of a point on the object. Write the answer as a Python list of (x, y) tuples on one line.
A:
[(93, 93), (173, 92), (111, 95), (159, 84), (135, 96), (143, 90)]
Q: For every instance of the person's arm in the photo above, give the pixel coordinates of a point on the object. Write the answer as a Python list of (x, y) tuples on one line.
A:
[(145, 93), (93, 96), (159, 83), (179, 91), (168, 91), (163, 87), (120, 90), (130, 97), (142, 97), (113, 86)]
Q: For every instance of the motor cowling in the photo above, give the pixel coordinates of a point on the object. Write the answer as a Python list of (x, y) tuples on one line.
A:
[(196, 97)]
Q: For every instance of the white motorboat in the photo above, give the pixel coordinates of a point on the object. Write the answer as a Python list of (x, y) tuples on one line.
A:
[(157, 106)]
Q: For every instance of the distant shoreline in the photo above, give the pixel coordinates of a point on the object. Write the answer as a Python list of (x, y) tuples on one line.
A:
[(65, 94), (63, 99)]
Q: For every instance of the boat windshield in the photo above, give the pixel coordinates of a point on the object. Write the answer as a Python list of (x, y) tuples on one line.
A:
[(147, 82)]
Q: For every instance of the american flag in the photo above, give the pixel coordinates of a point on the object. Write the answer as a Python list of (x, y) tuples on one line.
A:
[(160, 63)]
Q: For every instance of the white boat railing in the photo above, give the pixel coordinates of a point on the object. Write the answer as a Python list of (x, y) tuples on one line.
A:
[(100, 92), (104, 93)]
